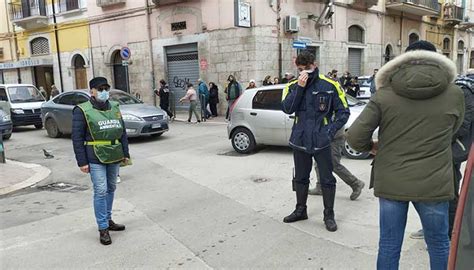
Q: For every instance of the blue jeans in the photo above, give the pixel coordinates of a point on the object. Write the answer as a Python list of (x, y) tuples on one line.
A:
[(104, 180), (393, 219)]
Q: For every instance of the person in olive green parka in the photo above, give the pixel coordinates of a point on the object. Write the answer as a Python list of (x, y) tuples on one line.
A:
[(418, 109)]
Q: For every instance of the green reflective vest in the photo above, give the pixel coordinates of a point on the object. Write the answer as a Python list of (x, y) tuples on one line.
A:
[(106, 130)]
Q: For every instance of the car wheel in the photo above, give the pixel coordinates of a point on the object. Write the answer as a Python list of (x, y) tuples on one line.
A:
[(243, 141), (52, 128), (353, 154), (39, 126), (7, 136)]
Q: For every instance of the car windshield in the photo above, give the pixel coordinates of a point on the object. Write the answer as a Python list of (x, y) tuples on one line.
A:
[(364, 82), (123, 98), (352, 101), (20, 94)]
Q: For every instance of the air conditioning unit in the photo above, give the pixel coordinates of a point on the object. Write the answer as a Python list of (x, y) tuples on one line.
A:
[(292, 24)]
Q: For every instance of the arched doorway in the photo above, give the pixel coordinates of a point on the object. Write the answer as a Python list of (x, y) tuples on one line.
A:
[(80, 73), (388, 53), (120, 72), (412, 38)]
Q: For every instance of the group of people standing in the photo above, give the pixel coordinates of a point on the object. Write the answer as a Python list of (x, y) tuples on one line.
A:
[(350, 83), (425, 132)]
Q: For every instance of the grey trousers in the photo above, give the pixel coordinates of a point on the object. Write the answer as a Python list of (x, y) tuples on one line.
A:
[(339, 169), (192, 109)]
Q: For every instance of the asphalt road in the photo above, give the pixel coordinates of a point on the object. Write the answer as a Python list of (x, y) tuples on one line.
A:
[(189, 201)]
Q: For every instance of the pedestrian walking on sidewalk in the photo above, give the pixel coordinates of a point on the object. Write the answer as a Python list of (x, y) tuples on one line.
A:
[(100, 145), (233, 92), (314, 99), (213, 98), (340, 170), (164, 94), (204, 98), (418, 109), (191, 97)]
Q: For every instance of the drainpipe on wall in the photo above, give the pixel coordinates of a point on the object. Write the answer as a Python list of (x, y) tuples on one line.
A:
[(57, 46), (150, 47), (280, 64)]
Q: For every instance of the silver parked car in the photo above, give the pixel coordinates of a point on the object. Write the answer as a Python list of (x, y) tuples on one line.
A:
[(257, 118), (140, 119)]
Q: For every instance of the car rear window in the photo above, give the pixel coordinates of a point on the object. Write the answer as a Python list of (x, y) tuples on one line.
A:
[(267, 100)]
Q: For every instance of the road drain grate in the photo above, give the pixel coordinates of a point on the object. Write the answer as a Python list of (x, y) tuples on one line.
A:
[(63, 187)]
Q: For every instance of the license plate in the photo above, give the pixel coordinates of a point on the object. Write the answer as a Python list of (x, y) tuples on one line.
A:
[(156, 126)]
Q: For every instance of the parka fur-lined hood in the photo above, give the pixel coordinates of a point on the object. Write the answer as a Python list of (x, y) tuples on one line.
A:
[(417, 75)]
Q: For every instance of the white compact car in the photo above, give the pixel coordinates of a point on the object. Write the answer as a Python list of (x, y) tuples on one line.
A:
[(257, 118)]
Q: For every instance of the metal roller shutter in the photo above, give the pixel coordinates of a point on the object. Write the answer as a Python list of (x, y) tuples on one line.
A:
[(183, 68), (355, 61)]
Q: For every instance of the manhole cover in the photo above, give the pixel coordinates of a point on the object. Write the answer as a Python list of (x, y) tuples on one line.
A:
[(63, 187), (260, 180)]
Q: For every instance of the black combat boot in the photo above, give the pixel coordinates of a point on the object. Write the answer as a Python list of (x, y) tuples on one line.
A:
[(301, 197), (104, 237), (328, 200), (115, 227)]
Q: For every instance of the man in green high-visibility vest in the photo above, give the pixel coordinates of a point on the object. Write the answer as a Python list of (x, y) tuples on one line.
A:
[(100, 145)]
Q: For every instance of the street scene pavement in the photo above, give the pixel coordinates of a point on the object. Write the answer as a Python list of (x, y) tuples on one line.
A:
[(189, 201)]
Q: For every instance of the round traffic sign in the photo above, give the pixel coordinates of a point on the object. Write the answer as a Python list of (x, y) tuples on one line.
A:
[(125, 53)]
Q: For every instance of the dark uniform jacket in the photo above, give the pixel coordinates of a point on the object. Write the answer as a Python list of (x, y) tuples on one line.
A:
[(314, 106)]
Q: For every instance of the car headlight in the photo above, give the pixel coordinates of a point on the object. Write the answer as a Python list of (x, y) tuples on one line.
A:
[(6, 118), (131, 117), (18, 111)]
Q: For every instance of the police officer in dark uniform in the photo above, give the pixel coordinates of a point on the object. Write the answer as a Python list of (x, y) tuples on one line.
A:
[(314, 99)]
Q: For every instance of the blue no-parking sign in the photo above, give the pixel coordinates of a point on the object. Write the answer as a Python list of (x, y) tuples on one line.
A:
[(125, 53)]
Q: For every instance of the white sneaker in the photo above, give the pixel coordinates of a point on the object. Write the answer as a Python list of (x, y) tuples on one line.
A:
[(118, 179), (417, 235)]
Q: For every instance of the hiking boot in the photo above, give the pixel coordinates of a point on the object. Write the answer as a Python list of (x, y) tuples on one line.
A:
[(316, 190), (115, 227), (300, 209), (328, 200), (104, 237), (357, 190)]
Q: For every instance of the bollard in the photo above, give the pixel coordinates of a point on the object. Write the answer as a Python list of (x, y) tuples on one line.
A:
[(2, 150)]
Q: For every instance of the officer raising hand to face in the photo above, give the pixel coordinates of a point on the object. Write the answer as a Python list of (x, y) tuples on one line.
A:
[(314, 99)]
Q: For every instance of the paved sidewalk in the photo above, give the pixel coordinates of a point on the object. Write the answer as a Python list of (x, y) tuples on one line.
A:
[(16, 175), (182, 116)]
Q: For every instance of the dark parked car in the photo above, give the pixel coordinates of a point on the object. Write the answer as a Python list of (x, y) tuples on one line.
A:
[(6, 125), (140, 119)]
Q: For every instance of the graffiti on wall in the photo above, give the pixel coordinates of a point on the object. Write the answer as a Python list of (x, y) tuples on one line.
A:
[(180, 83)]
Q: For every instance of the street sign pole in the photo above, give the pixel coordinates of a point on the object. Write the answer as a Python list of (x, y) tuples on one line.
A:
[(125, 53)]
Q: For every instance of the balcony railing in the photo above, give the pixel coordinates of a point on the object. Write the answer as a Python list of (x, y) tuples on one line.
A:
[(418, 7), (69, 5), (453, 13), (27, 9)]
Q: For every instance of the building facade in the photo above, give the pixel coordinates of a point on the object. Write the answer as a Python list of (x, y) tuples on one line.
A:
[(183, 40)]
